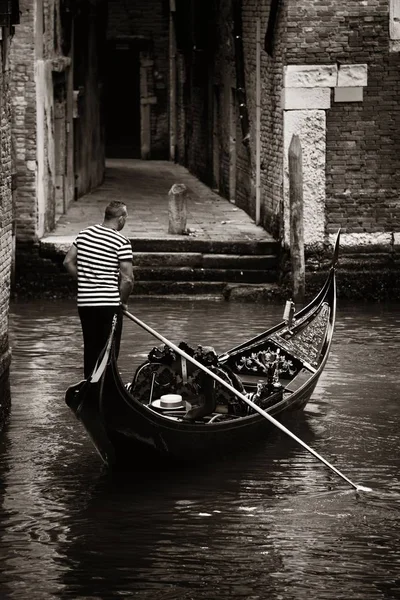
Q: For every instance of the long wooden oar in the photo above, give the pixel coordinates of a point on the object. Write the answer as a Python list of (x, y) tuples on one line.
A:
[(244, 398)]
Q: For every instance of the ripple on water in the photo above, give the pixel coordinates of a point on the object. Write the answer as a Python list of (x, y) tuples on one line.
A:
[(272, 522)]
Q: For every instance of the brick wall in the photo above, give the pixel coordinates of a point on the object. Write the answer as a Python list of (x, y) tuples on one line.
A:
[(201, 129), (42, 106), (5, 224), (362, 156), (199, 118), (362, 143), (272, 125), (23, 101), (148, 21), (35, 42)]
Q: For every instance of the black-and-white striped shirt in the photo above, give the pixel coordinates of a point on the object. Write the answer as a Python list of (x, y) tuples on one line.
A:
[(99, 252)]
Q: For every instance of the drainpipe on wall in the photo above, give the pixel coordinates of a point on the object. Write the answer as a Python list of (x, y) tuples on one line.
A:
[(172, 82)]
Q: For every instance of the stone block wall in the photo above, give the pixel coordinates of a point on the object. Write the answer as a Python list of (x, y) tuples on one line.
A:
[(148, 22), (6, 224)]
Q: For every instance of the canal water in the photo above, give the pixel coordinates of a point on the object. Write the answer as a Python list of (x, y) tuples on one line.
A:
[(273, 523)]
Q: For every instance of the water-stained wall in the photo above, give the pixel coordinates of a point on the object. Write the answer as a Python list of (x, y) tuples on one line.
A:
[(326, 71), (52, 106), (88, 65), (6, 222), (225, 118), (44, 181)]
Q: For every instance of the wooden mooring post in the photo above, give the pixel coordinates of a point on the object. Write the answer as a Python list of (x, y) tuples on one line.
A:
[(296, 219), (177, 210)]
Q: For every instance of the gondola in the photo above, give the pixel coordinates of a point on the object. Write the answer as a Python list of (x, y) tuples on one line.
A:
[(186, 404)]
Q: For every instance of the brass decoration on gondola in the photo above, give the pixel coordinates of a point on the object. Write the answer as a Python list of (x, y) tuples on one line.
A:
[(306, 344)]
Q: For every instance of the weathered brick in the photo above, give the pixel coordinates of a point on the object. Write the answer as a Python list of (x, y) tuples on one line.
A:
[(6, 217)]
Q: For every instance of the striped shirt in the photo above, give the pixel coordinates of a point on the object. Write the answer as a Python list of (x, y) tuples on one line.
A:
[(99, 252)]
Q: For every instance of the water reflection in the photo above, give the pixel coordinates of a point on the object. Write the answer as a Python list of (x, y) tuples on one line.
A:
[(272, 523)]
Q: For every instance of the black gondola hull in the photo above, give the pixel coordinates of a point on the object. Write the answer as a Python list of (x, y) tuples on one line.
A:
[(124, 429)]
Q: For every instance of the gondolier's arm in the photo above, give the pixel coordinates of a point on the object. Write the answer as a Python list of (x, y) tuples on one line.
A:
[(70, 261), (126, 279)]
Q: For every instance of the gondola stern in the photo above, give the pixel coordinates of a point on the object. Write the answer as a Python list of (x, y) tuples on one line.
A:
[(83, 400)]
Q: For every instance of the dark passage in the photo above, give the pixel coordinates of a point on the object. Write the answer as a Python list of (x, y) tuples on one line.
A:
[(122, 100)]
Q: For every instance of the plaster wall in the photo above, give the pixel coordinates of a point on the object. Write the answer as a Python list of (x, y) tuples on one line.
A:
[(45, 172)]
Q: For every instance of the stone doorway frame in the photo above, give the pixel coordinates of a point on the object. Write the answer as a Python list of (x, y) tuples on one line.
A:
[(306, 97)]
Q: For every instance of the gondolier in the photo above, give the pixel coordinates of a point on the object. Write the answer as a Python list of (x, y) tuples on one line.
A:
[(100, 259)]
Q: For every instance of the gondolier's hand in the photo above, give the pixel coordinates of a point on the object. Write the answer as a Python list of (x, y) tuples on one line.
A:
[(124, 307)]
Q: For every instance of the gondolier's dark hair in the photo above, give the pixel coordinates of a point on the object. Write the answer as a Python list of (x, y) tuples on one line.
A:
[(115, 209)]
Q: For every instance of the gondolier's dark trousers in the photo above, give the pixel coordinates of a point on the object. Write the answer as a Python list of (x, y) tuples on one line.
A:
[(96, 324)]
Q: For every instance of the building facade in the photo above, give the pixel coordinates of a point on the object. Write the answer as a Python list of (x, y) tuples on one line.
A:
[(220, 86), (57, 124), (252, 74), (8, 18)]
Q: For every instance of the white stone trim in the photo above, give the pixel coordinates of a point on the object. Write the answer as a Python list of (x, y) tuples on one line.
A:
[(310, 76), (348, 94), (310, 126), (353, 240), (352, 75), (306, 98), (394, 45), (394, 19)]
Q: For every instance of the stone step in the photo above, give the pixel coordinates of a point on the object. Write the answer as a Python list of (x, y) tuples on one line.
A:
[(191, 244), (172, 273), (189, 267), (206, 261), (179, 288), (369, 262), (218, 290)]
